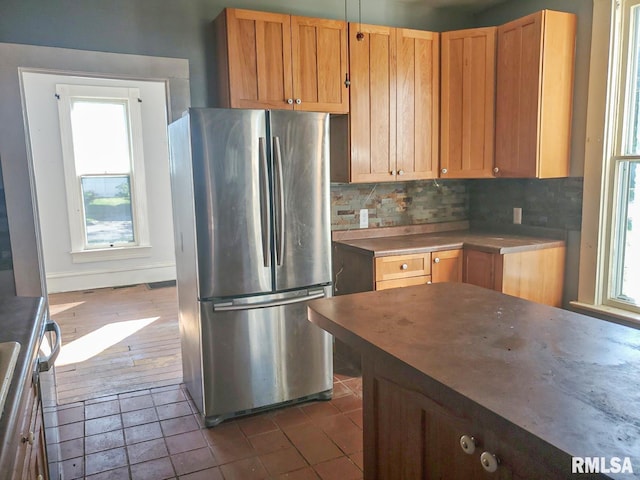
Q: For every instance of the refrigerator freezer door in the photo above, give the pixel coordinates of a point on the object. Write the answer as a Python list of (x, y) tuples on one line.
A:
[(302, 211), (231, 191), (260, 357)]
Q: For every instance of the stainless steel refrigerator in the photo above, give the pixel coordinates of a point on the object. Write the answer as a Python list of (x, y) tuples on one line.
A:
[(251, 215)]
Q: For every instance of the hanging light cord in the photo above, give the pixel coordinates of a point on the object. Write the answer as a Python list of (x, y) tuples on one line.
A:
[(360, 35)]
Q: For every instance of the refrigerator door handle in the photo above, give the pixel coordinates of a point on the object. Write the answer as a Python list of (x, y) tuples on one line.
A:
[(271, 303), (264, 202), (279, 201)]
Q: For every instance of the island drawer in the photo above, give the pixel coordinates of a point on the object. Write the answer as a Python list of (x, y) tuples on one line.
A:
[(403, 282), (403, 266)]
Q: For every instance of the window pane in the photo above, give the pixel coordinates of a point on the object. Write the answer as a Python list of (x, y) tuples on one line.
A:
[(100, 136), (107, 210), (626, 284), (632, 118)]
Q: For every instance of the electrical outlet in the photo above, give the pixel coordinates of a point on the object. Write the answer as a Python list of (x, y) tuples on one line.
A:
[(517, 215), (364, 218)]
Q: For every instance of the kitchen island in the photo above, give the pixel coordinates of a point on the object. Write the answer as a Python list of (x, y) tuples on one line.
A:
[(459, 381)]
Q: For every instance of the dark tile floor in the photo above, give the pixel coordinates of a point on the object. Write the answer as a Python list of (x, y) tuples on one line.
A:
[(157, 434)]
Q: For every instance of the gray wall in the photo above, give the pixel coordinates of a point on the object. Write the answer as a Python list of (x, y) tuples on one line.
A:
[(182, 28)]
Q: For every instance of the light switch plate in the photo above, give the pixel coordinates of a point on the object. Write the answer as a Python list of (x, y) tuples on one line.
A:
[(364, 218), (517, 215)]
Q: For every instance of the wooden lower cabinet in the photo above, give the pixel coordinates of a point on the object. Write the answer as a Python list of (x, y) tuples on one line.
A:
[(536, 275), (31, 455), (446, 266), (413, 430)]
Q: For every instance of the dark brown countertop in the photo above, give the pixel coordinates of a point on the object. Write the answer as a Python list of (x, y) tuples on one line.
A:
[(568, 379), (431, 242), (22, 320)]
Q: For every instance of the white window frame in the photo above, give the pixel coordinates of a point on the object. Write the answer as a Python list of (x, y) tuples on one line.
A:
[(80, 251), (606, 108)]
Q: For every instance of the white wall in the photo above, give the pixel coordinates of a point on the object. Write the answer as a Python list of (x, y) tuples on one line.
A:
[(44, 137)]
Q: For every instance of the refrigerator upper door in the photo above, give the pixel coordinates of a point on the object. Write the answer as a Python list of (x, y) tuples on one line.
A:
[(231, 193), (302, 215)]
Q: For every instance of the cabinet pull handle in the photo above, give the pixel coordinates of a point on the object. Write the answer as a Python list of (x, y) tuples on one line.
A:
[(290, 101), (489, 462), (468, 443), (404, 266), (436, 260)]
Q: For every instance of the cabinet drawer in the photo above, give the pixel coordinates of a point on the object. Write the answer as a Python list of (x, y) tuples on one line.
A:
[(403, 282), (403, 266)]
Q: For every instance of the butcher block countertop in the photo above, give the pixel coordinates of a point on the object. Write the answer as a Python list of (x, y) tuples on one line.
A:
[(569, 382), (430, 242)]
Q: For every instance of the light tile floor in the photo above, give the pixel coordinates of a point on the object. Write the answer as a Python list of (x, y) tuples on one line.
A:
[(156, 434)]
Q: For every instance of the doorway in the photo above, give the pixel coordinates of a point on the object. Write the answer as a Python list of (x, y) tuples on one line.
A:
[(120, 333)]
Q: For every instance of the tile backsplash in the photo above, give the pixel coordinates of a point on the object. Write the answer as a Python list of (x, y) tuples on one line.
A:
[(552, 203), (394, 204)]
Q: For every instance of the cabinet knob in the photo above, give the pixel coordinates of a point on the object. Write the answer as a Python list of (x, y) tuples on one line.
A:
[(468, 444), (404, 266), (489, 462), (436, 260), (496, 170), (444, 170), (400, 172), (298, 101), (429, 282), (290, 101), (392, 172), (39, 477), (29, 438)]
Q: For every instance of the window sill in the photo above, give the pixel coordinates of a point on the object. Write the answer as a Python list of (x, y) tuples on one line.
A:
[(611, 314), (109, 254)]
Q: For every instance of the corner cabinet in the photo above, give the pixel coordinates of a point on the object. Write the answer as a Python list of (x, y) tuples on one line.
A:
[(534, 95), (467, 98), (536, 275), (277, 61), (392, 130)]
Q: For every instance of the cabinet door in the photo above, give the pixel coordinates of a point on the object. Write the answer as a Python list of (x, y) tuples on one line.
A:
[(483, 269), (446, 266), (372, 116), (418, 104), (468, 94), (319, 64), (259, 63)]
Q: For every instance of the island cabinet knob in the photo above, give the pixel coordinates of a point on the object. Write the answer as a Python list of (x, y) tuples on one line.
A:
[(444, 171), (404, 266), (436, 260), (496, 170), (298, 101), (468, 443), (400, 172), (392, 172), (489, 462), (290, 101)]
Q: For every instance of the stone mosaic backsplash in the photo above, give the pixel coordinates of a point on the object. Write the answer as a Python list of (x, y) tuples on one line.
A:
[(403, 203), (552, 203)]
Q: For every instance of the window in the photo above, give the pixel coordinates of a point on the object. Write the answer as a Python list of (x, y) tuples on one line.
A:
[(622, 281), (104, 171)]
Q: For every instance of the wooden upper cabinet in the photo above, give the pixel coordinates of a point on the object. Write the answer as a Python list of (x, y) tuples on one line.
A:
[(270, 60), (372, 118), (418, 104), (468, 62), (393, 120), (319, 58), (534, 95)]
